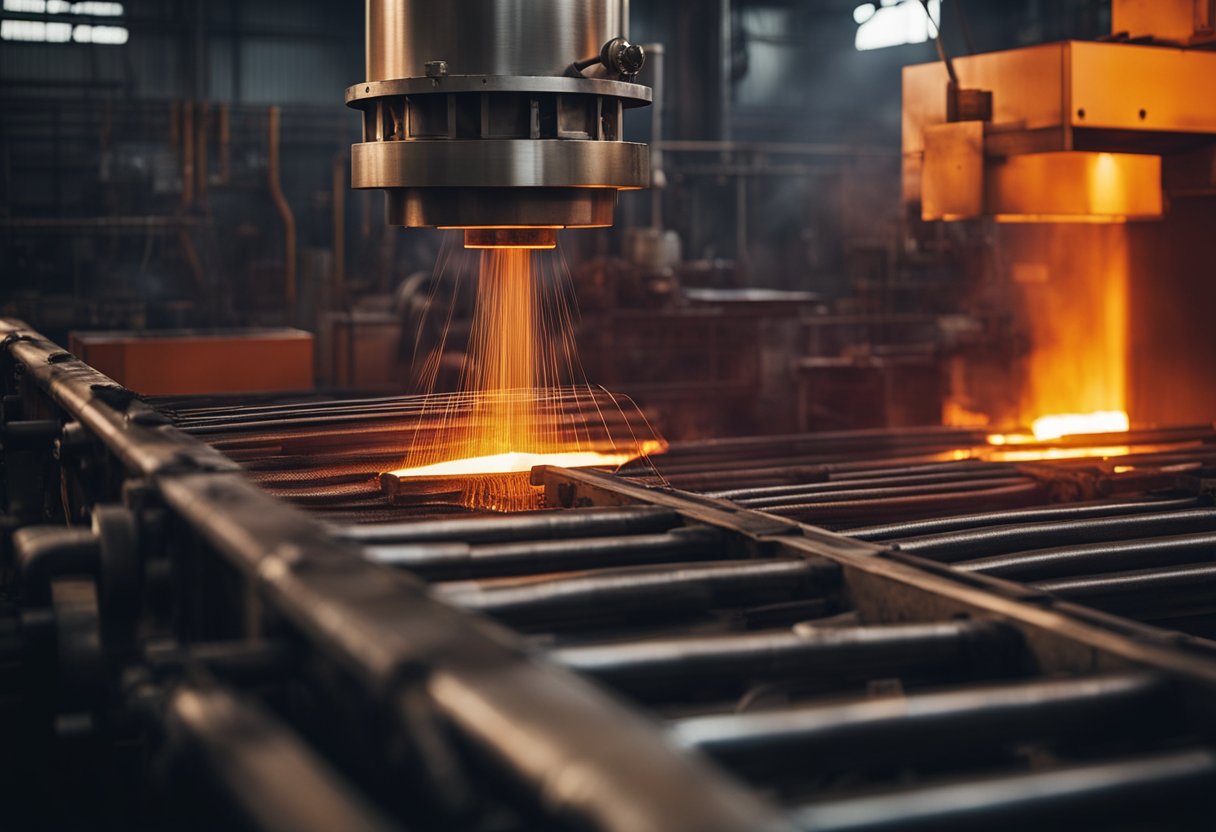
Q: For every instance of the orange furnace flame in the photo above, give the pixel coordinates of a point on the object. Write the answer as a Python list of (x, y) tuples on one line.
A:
[(1072, 286)]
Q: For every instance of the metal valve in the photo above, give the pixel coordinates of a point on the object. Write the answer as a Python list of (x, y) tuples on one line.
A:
[(622, 57)]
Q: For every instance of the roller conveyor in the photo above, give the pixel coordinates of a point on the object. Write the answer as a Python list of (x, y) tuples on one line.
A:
[(663, 647)]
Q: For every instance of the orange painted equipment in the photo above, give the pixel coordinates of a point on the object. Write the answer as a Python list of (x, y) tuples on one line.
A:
[(175, 362)]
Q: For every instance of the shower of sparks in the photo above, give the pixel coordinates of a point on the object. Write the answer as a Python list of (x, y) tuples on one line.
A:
[(519, 403)]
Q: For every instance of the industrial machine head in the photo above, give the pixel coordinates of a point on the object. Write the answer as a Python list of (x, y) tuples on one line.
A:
[(501, 117)]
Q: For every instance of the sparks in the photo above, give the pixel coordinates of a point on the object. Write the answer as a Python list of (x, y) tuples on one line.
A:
[(513, 412)]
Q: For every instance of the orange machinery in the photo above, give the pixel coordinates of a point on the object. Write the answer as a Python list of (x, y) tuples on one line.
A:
[(1097, 160), (189, 362)]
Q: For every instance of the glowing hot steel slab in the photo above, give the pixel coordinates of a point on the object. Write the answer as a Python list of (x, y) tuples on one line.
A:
[(1074, 424), (515, 462), (501, 482), (1061, 425)]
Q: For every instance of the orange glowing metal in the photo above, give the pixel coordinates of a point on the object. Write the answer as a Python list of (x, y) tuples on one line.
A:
[(1042, 454), (1059, 425), (1077, 424), (516, 462)]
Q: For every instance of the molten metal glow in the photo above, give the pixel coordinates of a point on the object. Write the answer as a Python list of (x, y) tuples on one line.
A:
[(1042, 454), (515, 462), (1059, 425), (1077, 424), (1080, 219)]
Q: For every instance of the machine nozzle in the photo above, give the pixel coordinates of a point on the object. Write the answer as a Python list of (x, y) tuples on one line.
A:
[(536, 237)]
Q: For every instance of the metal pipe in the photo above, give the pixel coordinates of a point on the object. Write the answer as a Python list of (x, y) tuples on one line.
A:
[(189, 251), (741, 219), (175, 125), (1167, 790), (284, 209), (817, 738), (1174, 590), (199, 64), (997, 540), (200, 145), (726, 48), (642, 592), (186, 112), (809, 501), (225, 143), (549, 525), (457, 560), (339, 229), (1093, 558), (844, 513), (919, 528), (622, 780), (824, 655), (739, 495), (658, 175)]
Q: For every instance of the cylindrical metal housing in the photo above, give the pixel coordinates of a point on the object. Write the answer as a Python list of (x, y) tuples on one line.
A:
[(486, 37), (497, 113)]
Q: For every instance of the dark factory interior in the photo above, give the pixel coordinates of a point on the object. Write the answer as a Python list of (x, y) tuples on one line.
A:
[(584, 415)]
